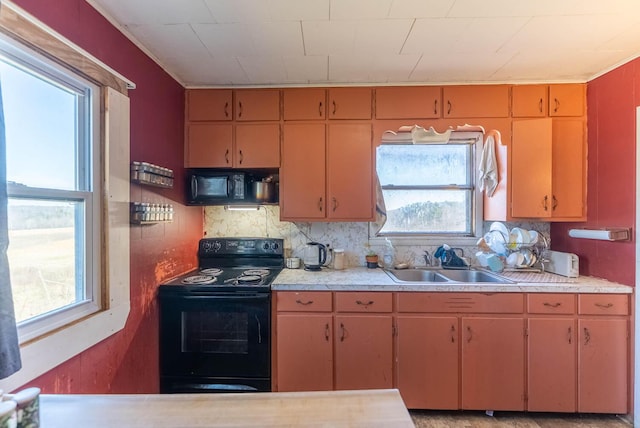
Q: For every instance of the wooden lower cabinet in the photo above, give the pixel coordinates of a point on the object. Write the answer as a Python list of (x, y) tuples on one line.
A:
[(493, 363), (427, 361), (364, 352), (551, 375), (603, 373)]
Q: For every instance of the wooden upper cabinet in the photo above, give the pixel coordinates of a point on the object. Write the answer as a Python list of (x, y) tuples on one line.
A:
[(257, 145), (476, 101), (566, 100), (408, 102), (209, 145), (350, 103), (257, 104), (529, 100), (209, 104), (568, 169), (304, 103)]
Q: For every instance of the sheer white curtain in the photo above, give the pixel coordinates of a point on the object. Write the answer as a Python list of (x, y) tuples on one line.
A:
[(9, 347)]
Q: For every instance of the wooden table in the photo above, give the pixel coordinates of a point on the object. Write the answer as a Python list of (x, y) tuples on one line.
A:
[(366, 408)]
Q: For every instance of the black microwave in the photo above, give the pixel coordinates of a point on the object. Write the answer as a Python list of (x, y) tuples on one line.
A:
[(217, 187)]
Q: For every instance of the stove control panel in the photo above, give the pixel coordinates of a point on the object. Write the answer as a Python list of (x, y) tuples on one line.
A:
[(209, 247)]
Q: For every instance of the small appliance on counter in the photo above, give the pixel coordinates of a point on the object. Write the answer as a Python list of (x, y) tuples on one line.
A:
[(565, 264), (315, 256)]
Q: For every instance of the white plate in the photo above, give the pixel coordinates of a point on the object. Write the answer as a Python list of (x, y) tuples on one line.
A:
[(496, 225)]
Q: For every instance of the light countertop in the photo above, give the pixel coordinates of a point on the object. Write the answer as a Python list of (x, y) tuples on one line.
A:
[(367, 408), (363, 279)]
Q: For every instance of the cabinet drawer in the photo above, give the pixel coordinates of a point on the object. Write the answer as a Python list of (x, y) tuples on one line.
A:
[(506, 303), (304, 301), (551, 303), (603, 304), (364, 302)]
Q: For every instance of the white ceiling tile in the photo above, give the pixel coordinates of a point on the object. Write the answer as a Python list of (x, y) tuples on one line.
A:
[(157, 12), (487, 8), (328, 37), (224, 71), (225, 39), (277, 38), (360, 9), (175, 41), (420, 8), (381, 36), (435, 34), (450, 66), (306, 69), (487, 34), (234, 11), (287, 10), (371, 68), (263, 70)]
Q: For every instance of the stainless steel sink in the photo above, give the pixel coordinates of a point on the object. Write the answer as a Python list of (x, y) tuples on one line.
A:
[(416, 275), (446, 275)]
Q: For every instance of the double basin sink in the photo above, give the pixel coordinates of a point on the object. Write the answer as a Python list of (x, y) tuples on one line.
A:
[(445, 275)]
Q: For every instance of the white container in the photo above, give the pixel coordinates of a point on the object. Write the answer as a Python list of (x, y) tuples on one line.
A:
[(338, 259), (293, 262)]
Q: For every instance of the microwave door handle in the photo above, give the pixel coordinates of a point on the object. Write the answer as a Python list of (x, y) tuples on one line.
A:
[(194, 187)]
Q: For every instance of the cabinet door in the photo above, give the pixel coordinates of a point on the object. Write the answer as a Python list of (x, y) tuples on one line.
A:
[(304, 352), (530, 170), (349, 172), (566, 100), (364, 349), (529, 100), (552, 365), (209, 145), (403, 102), (209, 104), (350, 103), (304, 103), (427, 361), (302, 175), (257, 146), (602, 365), (493, 363), (257, 104), (568, 165), (476, 101)]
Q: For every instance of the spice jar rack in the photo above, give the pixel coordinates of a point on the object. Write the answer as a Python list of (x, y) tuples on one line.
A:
[(150, 174), (146, 213)]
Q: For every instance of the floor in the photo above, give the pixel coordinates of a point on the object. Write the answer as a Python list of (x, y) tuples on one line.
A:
[(472, 419)]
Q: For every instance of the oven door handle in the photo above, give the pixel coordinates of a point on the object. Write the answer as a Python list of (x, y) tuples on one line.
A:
[(232, 296), (216, 387)]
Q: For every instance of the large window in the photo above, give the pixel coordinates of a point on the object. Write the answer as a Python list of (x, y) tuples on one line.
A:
[(52, 121), (429, 189)]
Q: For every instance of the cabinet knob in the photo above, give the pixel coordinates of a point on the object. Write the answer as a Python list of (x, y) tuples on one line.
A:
[(556, 105), (300, 302), (335, 203), (240, 109), (226, 109), (320, 204), (334, 107), (448, 107), (226, 156), (241, 157), (320, 109)]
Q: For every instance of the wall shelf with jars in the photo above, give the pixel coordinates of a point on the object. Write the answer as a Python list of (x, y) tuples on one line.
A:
[(146, 213), (151, 175)]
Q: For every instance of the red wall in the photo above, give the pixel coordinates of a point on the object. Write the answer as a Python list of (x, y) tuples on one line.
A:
[(127, 362), (611, 111)]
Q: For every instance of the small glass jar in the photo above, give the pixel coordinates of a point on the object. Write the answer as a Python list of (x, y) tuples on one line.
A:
[(338, 259)]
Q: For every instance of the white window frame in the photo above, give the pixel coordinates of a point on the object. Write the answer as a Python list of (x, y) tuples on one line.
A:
[(476, 139), (89, 192), (50, 350)]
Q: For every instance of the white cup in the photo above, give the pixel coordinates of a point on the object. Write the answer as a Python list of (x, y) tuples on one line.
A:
[(292, 262)]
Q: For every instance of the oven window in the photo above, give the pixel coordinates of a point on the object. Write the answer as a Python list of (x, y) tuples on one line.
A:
[(215, 332)]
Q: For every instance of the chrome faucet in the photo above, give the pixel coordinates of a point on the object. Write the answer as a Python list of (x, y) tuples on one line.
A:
[(428, 260)]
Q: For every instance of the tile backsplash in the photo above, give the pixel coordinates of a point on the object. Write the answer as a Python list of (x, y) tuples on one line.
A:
[(352, 237)]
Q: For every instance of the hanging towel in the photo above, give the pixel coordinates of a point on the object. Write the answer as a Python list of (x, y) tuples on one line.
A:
[(488, 165), (381, 210)]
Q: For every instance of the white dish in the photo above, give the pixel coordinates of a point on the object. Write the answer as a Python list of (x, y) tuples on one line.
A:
[(500, 227)]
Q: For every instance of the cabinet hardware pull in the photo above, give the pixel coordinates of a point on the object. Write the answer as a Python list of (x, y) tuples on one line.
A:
[(335, 203), (320, 109), (342, 334), (540, 105), (365, 304), (552, 305), (569, 335), (557, 105), (469, 334), (226, 109), (603, 306), (259, 329), (300, 302), (240, 110), (544, 204), (448, 107), (241, 157), (320, 204), (587, 336), (334, 107), (435, 106), (226, 156), (554, 203), (453, 333), (326, 332), (394, 331)]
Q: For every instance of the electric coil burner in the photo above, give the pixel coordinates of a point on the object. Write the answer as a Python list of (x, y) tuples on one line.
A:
[(215, 321)]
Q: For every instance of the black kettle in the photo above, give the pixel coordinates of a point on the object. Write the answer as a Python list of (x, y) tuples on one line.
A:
[(315, 256)]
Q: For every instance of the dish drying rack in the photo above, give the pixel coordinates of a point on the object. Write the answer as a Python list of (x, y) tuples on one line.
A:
[(538, 249)]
